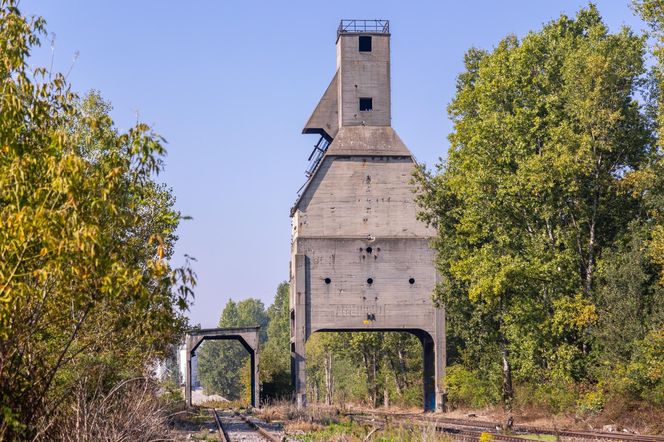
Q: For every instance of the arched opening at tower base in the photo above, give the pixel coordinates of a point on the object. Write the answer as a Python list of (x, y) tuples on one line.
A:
[(372, 367), (247, 336)]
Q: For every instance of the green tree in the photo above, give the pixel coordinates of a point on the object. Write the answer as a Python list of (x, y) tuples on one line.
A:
[(221, 364), (85, 282), (650, 181), (629, 301), (532, 193), (402, 368), (275, 354), (323, 351)]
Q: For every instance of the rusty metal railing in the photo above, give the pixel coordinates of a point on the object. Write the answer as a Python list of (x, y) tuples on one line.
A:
[(369, 26)]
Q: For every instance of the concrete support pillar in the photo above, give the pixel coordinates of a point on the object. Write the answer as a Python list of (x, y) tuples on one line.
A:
[(429, 372), (440, 349), (255, 387), (298, 331), (187, 382)]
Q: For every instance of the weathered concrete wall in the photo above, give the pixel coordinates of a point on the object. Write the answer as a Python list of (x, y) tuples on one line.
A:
[(341, 297), (364, 74), (360, 197)]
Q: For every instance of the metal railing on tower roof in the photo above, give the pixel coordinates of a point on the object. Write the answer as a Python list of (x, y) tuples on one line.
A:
[(358, 26)]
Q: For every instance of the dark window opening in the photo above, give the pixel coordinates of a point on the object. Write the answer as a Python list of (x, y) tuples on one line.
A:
[(369, 250), (370, 281), (366, 104), (411, 280), (365, 43), (328, 280)]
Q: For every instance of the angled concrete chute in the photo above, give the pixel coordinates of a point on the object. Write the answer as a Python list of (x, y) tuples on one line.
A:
[(247, 336)]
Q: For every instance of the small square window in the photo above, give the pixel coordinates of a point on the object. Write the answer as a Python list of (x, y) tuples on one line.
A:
[(365, 43), (366, 104)]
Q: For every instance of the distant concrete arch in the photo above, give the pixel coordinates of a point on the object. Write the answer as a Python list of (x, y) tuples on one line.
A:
[(247, 336)]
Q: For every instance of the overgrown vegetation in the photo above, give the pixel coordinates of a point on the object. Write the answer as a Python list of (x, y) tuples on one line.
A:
[(88, 299), (549, 216), (323, 423)]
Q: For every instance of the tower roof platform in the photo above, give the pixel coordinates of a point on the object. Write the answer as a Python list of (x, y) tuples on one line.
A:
[(354, 26)]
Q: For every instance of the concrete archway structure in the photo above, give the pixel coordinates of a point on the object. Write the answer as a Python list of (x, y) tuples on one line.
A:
[(247, 336)]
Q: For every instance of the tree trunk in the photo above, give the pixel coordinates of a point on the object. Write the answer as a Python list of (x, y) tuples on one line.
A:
[(386, 394), (367, 369), (397, 381), (402, 367), (373, 386), (508, 392), (591, 259), (328, 378), (315, 391)]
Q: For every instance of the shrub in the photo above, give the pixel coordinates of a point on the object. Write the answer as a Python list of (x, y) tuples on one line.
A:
[(468, 388), (645, 372), (591, 402), (131, 410)]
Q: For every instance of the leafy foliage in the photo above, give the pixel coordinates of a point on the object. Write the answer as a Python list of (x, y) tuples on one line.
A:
[(86, 237), (275, 355), (537, 194), (367, 367)]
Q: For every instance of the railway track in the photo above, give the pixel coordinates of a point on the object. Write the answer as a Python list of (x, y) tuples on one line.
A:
[(233, 425), (471, 430)]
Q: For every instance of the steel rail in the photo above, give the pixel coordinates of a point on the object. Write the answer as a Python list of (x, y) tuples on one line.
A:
[(459, 433), (453, 425), (223, 436), (256, 427)]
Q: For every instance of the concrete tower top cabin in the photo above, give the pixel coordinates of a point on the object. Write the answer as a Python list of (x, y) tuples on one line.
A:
[(359, 94)]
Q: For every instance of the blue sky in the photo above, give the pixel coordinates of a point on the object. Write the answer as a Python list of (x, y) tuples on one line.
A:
[(230, 84)]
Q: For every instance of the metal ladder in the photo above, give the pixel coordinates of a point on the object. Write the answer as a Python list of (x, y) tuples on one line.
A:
[(316, 155)]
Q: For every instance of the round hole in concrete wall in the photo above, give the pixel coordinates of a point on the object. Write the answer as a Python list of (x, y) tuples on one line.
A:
[(369, 281), (328, 280), (411, 281), (369, 249)]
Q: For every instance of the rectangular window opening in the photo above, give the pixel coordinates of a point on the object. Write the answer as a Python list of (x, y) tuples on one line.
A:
[(365, 43), (366, 104)]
